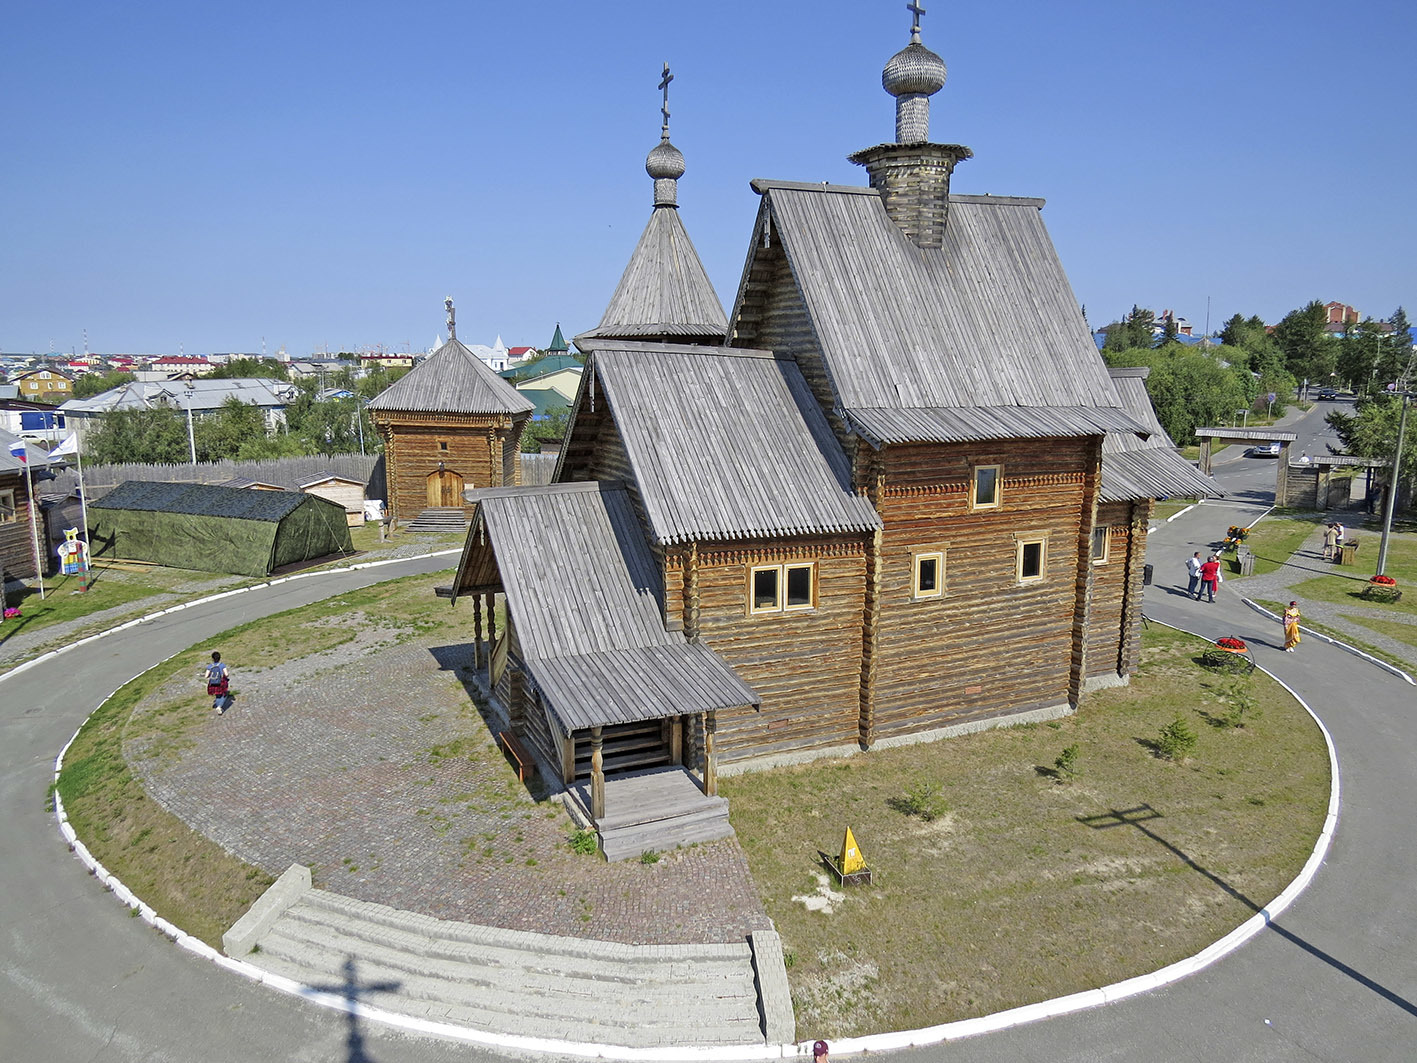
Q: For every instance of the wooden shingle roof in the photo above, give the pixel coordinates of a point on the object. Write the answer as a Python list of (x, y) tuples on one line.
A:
[(452, 380), (585, 594), (726, 443), (664, 291), (1146, 468), (979, 339)]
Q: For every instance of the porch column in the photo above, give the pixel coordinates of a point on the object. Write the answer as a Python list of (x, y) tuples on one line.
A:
[(491, 621), (1281, 477), (1205, 454), (710, 756), (477, 632), (597, 775)]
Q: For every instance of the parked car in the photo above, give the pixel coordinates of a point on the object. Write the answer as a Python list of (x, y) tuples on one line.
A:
[(1328, 393), (1264, 450)]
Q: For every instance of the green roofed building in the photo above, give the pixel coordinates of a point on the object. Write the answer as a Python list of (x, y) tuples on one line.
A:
[(215, 529)]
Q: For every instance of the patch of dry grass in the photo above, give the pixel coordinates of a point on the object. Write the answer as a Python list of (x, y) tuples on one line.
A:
[(1028, 886)]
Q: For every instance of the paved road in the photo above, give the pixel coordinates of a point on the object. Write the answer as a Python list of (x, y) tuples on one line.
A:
[(1333, 979), (78, 980)]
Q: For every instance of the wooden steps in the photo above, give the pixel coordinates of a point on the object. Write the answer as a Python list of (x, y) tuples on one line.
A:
[(653, 811), (438, 519)]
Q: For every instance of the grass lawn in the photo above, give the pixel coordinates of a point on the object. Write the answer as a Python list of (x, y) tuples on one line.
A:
[(188, 879), (1028, 885), (1348, 581), (1393, 629), (1171, 507), (1273, 540)]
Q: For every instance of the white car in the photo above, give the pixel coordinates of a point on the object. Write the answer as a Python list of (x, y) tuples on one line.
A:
[(1264, 450)]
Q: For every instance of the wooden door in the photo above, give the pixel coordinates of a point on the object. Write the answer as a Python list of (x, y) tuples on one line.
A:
[(445, 488)]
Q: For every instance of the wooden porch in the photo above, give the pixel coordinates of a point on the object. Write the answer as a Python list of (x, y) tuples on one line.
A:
[(652, 810)]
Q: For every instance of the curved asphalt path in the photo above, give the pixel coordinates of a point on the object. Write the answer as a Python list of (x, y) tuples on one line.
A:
[(1332, 979)]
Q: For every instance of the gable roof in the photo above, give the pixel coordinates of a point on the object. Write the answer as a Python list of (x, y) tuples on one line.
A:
[(979, 339), (664, 291), (199, 394), (586, 603), (726, 443), (232, 503), (1146, 468), (451, 380)]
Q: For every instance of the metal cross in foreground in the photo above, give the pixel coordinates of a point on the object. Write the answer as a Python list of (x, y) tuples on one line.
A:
[(916, 8), (664, 85)]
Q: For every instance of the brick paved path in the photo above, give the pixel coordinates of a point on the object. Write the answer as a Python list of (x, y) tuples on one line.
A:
[(370, 764)]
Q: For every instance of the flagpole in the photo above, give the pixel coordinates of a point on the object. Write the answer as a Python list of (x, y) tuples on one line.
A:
[(83, 495), (34, 528)]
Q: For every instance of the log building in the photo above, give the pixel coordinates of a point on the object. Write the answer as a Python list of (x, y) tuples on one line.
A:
[(449, 424), (905, 498)]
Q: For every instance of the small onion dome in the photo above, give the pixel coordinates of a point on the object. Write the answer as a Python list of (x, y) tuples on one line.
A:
[(665, 162), (914, 70)]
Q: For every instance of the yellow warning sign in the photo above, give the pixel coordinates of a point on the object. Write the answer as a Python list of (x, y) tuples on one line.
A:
[(851, 859)]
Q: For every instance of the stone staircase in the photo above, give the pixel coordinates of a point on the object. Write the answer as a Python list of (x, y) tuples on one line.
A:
[(517, 982), (438, 519)]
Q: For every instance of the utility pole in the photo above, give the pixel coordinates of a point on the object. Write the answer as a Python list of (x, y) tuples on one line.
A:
[(1392, 485)]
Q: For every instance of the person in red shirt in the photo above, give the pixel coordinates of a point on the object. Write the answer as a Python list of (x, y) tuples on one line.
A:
[(1210, 577)]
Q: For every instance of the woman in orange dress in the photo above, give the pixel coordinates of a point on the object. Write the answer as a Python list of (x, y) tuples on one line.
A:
[(1291, 627)]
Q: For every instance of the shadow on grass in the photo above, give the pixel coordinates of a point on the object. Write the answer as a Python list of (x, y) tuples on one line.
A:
[(1140, 815)]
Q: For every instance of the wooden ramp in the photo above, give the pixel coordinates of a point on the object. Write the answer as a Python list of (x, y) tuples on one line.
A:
[(654, 810)]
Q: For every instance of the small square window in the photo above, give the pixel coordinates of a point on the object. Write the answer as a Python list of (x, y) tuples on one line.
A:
[(1032, 556), (1101, 538), (799, 586), (8, 510), (442, 446), (765, 590), (929, 578), (984, 493)]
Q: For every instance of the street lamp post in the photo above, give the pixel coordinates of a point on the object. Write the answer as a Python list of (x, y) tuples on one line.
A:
[(1392, 485)]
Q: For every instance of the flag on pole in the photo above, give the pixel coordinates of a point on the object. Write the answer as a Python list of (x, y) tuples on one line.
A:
[(69, 446), (17, 450)]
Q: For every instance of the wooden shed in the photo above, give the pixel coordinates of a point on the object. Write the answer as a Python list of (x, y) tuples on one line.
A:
[(342, 490)]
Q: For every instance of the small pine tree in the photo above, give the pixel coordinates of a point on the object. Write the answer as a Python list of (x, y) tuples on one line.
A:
[(1177, 741), (1067, 762)]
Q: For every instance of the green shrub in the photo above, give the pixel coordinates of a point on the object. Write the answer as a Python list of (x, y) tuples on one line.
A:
[(649, 856), (1176, 741), (1376, 592), (1242, 704), (584, 842), (1067, 762), (923, 800)]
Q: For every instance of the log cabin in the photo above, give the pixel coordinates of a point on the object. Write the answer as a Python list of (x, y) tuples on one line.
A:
[(450, 423), (902, 499)]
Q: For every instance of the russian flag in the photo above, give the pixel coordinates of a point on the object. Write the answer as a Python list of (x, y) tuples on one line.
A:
[(17, 450)]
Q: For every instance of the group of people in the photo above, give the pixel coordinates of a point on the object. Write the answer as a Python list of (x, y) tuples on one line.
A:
[(1333, 540), (1204, 576)]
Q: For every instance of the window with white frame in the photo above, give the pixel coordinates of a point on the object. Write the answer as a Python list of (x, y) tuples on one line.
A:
[(1101, 545), (928, 574), (782, 588), (1032, 559), (984, 490)]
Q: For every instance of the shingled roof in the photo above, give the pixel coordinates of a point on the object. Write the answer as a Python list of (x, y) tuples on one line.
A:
[(664, 292), (1146, 468), (586, 602), (725, 443), (979, 339), (452, 380)]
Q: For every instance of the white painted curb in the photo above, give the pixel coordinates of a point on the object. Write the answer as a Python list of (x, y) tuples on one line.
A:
[(930, 1035)]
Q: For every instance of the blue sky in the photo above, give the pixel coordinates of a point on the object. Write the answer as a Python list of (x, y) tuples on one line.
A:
[(318, 174)]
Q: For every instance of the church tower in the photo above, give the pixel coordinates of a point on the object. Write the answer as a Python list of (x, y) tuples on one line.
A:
[(664, 295)]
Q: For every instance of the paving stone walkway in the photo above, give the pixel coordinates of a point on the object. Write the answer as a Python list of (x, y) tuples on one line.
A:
[(370, 764)]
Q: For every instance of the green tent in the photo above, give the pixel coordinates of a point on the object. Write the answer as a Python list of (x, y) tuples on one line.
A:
[(215, 529)]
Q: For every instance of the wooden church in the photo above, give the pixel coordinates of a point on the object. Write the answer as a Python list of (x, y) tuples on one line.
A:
[(895, 494), (448, 424)]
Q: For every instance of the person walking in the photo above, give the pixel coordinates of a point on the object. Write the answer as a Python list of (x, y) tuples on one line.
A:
[(1193, 570), (1330, 541), (1210, 577), (218, 683), (1291, 627)]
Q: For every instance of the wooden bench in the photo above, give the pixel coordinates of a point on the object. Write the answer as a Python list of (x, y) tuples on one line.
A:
[(512, 746)]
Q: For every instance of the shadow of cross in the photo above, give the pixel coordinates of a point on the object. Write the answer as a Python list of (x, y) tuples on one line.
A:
[(1139, 816), (350, 991)]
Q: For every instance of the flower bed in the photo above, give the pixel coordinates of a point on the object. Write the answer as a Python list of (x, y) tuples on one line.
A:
[(1228, 652), (1381, 589)]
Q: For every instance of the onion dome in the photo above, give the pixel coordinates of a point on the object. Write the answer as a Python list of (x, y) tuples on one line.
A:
[(665, 162), (914, 71)]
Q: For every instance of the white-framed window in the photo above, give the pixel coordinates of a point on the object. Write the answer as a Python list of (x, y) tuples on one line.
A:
[(9, 511), (1101, 545), (1031, 562), (984, 489), (782, 588), (928, 574)]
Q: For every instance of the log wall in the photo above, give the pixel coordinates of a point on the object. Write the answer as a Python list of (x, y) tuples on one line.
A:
[(480, 449), (805, 665), (989, 645), (1113, 581)]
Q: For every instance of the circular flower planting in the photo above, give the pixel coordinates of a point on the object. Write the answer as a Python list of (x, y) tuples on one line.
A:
[(1228, 652), (1381, 589)]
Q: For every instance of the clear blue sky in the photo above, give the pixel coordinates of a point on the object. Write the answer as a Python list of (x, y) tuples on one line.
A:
[(315, 173)]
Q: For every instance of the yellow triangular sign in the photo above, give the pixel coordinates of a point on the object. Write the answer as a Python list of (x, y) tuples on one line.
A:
[(851, 859)]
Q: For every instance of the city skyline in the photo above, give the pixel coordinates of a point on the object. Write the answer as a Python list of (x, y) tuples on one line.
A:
[(318, 176)]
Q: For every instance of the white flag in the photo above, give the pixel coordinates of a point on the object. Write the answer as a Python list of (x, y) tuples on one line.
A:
[(69, 446)]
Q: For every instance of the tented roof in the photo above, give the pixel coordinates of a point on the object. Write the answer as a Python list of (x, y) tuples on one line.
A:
[(452, 380)]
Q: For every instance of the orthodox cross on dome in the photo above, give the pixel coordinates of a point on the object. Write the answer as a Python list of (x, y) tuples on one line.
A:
[(452, 325), (916, 8), (664, 108)]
